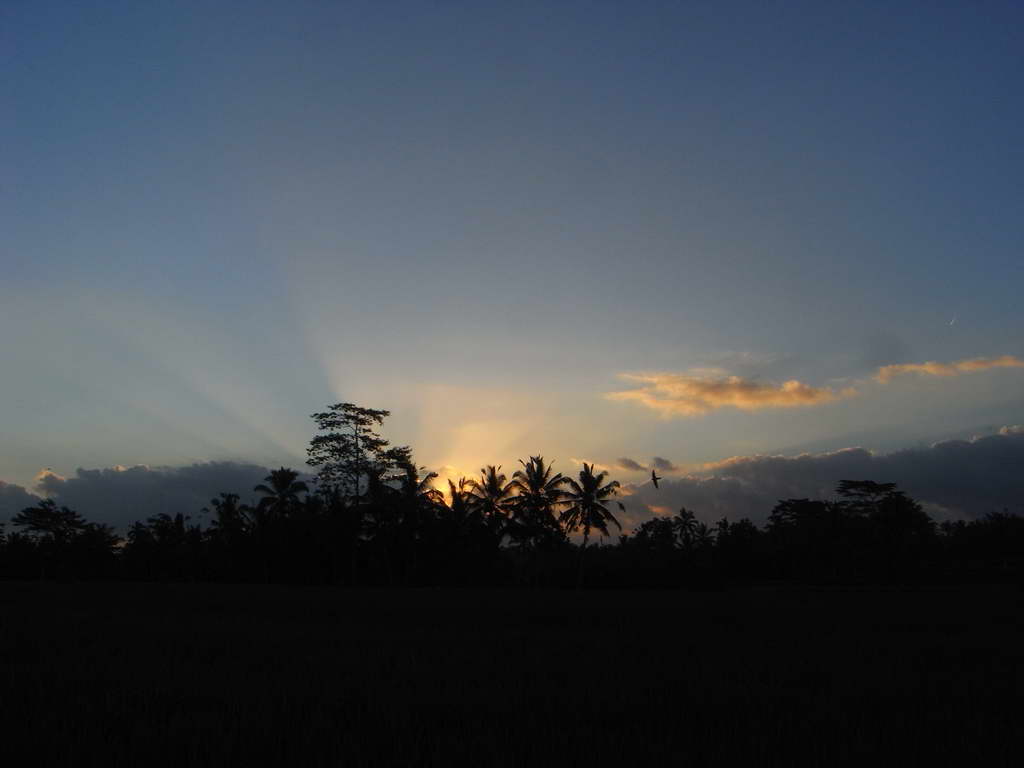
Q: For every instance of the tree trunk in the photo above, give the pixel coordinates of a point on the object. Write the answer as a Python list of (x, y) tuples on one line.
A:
[(352, 562), (583, 552)]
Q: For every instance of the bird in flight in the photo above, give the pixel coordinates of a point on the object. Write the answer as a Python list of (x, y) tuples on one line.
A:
[(953, 320), (654, 478), (621, 505)]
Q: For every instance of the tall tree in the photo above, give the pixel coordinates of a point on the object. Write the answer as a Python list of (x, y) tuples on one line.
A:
[(350, 450), (587, 507)]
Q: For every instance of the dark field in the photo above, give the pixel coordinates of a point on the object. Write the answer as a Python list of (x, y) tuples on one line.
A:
[(148, 674)]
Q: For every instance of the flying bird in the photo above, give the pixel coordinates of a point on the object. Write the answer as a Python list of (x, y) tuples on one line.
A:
[(953, 320), (654, 478), (621, 505)]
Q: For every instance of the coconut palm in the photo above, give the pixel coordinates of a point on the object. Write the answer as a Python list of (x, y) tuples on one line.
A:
[(539, 492), (418, 495), (418, 503), (687, 528), (460, 500), (413, 487), (586, 507), (703, 538), (229, 522), (490, 498), (280, 489)]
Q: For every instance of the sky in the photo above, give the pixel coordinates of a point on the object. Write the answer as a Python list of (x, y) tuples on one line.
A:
[(592, 230)]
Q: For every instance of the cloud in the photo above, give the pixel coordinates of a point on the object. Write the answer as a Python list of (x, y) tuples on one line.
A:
[(663, 464), (630, 465), (13, 499), (698, 392), (953, 478), (702, 390), (120, 495), (888, 372)]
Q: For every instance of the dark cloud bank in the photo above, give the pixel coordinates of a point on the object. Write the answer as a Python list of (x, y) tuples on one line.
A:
[(13, 499), (119, 496), (955, 478)]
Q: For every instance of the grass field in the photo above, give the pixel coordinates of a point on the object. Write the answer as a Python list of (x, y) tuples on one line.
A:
[(152, 674)]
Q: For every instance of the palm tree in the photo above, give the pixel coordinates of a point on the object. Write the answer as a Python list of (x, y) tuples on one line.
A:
[(378, 508), (687, 528), (586, 507), (490, 497), (230, 518), (282, 493), (539, 491), (703, 538), (412, 488), (418, 501), (417, 496), (280, 496), (460, 500)]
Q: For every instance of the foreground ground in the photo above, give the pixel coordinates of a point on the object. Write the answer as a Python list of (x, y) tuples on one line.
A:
[(150, 674)]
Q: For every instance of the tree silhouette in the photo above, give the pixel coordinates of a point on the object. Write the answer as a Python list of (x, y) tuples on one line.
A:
[(227, 531), (533, 523), (375, 518), (490, 499), (280, 489), (864, 495), (49, 522), (350, 448), (656, 535), (687, 529), (230, 517), (343, 526), (539, 492), (901, 533), (586, 508), (52, 530), (419, 503), (280, 495), (417, 491), (460, 495)]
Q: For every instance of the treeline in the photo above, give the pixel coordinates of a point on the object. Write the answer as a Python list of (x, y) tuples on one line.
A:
[(371, 517)]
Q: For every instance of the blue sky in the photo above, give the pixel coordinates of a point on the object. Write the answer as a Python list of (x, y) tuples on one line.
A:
[(220, 217)]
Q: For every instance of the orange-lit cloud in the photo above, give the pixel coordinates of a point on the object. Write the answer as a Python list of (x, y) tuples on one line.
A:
[(887, 372), (45, 478), (677, 394)]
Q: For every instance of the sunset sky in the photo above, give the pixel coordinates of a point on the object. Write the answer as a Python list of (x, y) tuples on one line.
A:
[(597, 231)]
